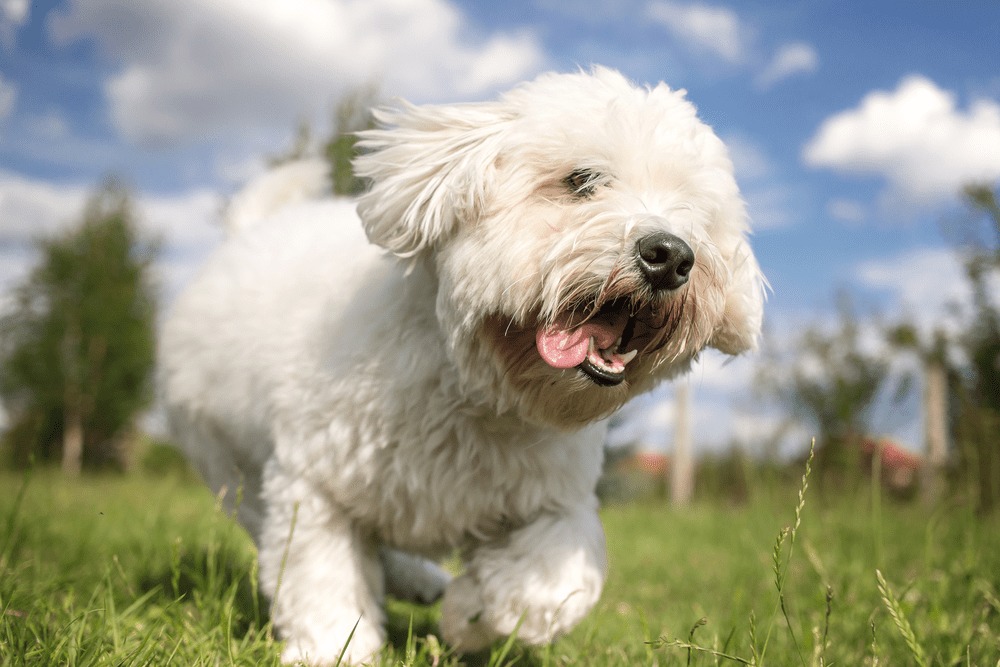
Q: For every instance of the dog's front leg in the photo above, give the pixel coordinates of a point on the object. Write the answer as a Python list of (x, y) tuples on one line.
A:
[(324, 578), (545, 576)]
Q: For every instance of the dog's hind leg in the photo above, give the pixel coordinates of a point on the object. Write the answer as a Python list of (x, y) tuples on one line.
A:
[(322, 574), (412, 578)]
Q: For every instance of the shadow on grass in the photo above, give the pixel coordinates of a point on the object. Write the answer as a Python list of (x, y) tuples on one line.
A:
[(221, 584), (405, 620)]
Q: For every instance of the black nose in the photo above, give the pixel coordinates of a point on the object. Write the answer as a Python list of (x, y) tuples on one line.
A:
[(665, 260)]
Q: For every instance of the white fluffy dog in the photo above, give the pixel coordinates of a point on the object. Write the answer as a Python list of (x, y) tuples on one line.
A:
[(550, 256)]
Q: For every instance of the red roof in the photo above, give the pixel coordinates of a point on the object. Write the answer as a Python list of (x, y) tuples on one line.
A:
[(894, 455), (650, 463)]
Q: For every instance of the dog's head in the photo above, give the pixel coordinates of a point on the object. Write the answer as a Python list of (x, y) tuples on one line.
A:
[(587, 236)]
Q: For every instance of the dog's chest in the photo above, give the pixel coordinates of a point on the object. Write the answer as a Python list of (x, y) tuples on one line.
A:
[(462, 486)]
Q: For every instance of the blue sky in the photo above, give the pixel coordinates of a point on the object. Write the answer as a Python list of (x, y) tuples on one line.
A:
[(852, 124)]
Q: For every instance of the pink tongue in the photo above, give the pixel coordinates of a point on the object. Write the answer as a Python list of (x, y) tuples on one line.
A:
[(564, 346)]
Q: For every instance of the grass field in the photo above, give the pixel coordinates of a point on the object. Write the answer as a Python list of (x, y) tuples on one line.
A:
[(145, 571)]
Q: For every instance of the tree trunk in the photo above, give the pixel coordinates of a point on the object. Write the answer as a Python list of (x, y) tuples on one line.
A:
[(682, 466)]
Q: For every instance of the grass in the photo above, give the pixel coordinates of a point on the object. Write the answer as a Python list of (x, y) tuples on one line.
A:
[(145, 570)]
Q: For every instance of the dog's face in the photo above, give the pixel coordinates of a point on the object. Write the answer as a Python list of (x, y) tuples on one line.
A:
[(587, 236)]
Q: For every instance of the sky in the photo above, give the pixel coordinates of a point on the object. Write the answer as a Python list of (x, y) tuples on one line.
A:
[(853, 126)]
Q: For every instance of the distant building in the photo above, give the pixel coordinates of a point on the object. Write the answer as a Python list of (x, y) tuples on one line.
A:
[(655, 465), (899, 466)]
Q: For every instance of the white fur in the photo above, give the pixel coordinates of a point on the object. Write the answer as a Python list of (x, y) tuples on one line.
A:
[(286, 184), (377, 408)]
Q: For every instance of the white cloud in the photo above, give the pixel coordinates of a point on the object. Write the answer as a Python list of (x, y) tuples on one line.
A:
[(197, 68), (48, 127), (916, 138), (790, 60), (15, 11), (8, 95), (30, 208), (13, 14), (769, 205), (768, 201), (771, 433), (186, 221), (750, 162), (15, 262), (50, 138), (713, 29), (187, 225), (929, 286), (716, 372), (722, 391), (720, 33), (718, 387), (847, 210)]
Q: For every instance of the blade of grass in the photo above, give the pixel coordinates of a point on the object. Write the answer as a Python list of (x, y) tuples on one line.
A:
[(12, 516), (899, 618), (496, 659), (343, 651), (780, 567)]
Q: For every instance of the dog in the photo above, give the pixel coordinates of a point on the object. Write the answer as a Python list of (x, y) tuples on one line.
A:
[(432, 373)]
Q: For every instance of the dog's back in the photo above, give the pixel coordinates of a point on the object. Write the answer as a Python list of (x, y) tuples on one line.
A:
[(241, 325)]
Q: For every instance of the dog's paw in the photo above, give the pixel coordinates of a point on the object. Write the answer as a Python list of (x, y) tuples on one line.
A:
[(537, 601), (412, 578), (464, 620)]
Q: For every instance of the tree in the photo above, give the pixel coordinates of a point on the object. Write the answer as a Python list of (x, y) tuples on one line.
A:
[(352, 115), (979, 404), (962, 398), (832, 384), (77, 349)]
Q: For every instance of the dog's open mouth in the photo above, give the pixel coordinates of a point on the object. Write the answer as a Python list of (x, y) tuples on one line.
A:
[(599, 345)]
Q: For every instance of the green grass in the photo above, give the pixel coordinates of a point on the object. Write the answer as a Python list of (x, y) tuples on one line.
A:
[(145, 571)]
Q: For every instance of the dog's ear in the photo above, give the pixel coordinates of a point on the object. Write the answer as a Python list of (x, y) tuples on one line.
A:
[(743, 311), (429, 167)]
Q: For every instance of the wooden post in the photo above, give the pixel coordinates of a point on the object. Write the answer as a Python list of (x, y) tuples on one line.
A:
[(935, 430), (72, 451), (681, 464)]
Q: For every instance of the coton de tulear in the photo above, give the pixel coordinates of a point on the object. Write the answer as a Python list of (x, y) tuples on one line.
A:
[(435, 376)]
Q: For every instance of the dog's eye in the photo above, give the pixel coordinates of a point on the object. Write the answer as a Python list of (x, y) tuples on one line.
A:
[(582, 182)]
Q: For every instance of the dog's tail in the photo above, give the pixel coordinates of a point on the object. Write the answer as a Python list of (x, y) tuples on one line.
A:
[(286, 184)]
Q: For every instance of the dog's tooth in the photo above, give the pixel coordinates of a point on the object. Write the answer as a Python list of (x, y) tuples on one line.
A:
[(628, 356)]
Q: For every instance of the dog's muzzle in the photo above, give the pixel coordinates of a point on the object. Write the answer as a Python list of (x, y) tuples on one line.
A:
[(602, 343)]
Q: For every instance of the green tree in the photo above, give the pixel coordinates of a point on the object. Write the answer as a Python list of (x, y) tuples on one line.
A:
[(77, 348), (979, 404), (352, 115), (831, 383)]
